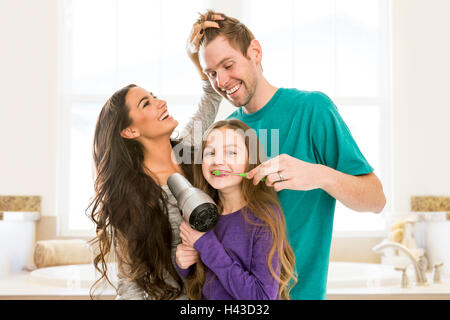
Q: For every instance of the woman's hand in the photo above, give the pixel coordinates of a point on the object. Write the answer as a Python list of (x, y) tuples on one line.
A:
[(189, 235), (194, 38), (186, 256)]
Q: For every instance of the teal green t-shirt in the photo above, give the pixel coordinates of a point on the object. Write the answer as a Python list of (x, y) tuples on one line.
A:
[(310, 129)]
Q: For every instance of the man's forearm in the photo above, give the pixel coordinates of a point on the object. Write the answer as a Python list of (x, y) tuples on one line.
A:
[(360, 193)]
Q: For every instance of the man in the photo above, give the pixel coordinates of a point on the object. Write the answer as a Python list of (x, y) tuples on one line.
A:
[(319, 160)]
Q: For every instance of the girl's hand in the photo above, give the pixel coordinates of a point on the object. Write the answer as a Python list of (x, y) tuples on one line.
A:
[(186, 256), (189, 235)]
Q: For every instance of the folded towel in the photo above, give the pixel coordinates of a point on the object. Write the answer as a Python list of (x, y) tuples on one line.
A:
[(396, 235), (61, 252)]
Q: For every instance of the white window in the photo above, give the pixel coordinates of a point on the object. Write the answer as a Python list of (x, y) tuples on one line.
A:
[(105, 45), (339, 47)]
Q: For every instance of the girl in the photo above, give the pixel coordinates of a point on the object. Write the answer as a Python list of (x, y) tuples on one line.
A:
[(247, 255)]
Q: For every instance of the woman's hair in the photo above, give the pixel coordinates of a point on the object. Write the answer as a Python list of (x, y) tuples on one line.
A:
[(237, 34), (129, 208), (262, 202)]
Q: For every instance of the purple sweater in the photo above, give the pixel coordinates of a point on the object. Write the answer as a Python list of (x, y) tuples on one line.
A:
[(235, 253)]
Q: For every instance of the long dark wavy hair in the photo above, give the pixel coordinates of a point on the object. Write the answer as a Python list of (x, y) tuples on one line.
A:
[(129, 208)]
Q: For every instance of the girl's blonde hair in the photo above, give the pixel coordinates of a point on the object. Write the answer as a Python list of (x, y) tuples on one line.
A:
[(262, 201)]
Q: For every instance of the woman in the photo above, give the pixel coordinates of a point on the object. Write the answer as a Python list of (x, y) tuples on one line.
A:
[(135, 214)]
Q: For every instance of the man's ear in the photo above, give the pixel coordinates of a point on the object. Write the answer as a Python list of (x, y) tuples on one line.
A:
[(255, 51), (129, 133)]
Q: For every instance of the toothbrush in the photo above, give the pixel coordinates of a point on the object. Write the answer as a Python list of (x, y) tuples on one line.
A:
[(218, 173)]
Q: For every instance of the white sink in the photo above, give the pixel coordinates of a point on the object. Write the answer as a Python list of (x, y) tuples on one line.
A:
[(71, 276), (349, 281), (354, 274)]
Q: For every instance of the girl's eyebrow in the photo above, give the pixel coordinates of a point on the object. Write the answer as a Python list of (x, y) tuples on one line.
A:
[(226, 146), (232, 145)]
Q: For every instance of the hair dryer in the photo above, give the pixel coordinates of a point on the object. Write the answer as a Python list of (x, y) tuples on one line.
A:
[(197, 208)]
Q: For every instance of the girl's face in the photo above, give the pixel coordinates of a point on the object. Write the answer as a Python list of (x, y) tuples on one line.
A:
[(225, 151), (150, 117)]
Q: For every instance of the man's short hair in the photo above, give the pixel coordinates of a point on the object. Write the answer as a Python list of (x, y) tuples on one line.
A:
[(237, 34)]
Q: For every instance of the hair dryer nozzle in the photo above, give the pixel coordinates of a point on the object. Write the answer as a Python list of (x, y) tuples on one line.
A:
[(197, 208)]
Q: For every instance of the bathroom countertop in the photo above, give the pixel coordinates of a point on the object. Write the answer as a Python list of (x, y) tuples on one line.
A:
[(439, 291), (17, 286)]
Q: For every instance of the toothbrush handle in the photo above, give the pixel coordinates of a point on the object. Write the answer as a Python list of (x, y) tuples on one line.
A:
[(245, 176)]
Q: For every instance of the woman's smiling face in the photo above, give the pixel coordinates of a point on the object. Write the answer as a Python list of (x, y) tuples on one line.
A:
[(225, 150), (150, 117)]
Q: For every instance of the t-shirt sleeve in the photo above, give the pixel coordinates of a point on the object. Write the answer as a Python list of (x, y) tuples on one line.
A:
[(334, 145)]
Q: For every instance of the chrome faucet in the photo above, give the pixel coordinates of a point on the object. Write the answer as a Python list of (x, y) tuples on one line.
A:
[(421, 279)]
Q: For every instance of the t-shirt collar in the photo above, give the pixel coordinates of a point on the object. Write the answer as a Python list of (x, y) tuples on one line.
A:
[(261, 112)]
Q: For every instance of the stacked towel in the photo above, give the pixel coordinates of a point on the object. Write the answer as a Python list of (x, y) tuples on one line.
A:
[(403, 232), (397, 231), (61, 252)]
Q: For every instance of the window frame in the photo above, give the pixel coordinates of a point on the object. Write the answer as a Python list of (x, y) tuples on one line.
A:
[(384, 102), (239, 10)]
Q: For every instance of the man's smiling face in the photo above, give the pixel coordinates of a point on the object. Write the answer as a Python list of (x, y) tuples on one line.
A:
[(231, 73)]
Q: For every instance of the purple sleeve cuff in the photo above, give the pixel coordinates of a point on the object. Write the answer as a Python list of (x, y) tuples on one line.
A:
[(183, 272), (208, 239)]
